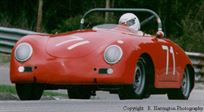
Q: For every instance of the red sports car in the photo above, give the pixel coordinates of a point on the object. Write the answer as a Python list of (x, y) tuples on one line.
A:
[(107, 57)]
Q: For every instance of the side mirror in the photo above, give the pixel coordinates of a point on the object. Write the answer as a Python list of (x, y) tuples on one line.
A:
[(160, 34)]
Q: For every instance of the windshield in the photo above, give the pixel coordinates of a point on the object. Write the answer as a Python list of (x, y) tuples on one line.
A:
[(113, 27), (120, 28), (105, 26)]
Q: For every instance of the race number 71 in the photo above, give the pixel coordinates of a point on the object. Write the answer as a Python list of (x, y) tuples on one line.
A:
[(168, 52)]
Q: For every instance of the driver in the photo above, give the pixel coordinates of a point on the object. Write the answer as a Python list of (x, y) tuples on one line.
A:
[(132, 22)]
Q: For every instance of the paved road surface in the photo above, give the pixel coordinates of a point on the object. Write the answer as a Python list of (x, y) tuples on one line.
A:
[(101, 106), (109, 103)]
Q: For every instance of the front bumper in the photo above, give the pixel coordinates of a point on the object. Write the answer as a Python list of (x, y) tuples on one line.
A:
[(62, 71)]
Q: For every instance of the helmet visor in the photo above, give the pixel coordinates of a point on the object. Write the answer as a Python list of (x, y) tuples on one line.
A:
[(131, 22)]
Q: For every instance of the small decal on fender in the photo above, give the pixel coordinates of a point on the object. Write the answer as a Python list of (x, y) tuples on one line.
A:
[(120, 41)]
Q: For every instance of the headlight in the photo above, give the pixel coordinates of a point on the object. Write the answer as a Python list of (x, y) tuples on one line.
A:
[(113, 54), (23, 52)]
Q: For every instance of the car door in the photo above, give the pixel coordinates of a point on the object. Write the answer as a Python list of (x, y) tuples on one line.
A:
[(168, 61)]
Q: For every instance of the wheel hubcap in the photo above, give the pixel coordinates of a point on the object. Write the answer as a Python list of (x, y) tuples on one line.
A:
[(186, 83), (139, 78)]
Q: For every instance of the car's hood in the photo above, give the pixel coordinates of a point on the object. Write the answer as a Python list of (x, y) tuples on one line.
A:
[(80, 43)]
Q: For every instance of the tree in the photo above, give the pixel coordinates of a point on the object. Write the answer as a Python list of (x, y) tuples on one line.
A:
[(39, 15)]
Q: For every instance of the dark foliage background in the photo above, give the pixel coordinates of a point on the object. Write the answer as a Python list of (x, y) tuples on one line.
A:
[(183, 20)]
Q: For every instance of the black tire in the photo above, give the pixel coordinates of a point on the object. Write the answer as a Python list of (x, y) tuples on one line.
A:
[(29, 91), (79, 93), (182, 93), (139, 87)]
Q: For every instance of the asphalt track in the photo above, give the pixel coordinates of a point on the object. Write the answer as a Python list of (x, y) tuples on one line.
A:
[(105, 102)]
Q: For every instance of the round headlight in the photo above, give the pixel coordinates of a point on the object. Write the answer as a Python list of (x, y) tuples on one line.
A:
[(23, 52), (113, 54)]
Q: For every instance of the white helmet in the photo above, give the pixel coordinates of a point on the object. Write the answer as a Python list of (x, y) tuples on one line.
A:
[(130, 20)]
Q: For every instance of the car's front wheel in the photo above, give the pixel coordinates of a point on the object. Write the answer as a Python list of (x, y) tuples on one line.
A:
[(184, 91), (79, 93), (138, 88), (29, 91)]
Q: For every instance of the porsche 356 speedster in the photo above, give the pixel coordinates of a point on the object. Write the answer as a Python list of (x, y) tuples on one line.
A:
[(107, 57)]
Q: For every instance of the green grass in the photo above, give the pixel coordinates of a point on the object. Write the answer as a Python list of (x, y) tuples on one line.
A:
[(7, 89), (12, 90), (4, 58)]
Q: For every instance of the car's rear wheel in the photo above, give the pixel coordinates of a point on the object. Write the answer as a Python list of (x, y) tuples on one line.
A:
[(79, 93), (184, 91), (29, 91), (138, 88)]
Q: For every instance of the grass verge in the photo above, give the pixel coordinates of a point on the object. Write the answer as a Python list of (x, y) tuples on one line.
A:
[(4, 58), (12, 90)]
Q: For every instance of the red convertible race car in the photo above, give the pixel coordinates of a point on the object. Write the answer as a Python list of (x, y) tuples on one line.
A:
[(107, 57)]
